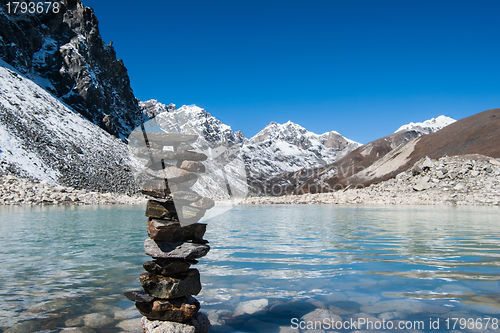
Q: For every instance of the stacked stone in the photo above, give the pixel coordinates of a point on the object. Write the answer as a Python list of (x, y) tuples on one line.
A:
[(175, 238)]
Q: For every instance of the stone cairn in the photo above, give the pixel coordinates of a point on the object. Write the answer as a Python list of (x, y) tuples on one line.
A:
[(175, 236)]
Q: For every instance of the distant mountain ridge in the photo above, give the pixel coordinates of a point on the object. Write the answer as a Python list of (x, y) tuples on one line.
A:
[(429, 126), (276, 149), (384, 158), (289, 147)]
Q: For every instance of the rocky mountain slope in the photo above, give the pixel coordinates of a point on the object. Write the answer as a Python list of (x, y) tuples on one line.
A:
[(276, 149), (457, 180), (42, 139), (384, 158), (64, 53)]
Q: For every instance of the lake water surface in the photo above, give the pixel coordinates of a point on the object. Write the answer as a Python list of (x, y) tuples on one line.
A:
[(382, 263)]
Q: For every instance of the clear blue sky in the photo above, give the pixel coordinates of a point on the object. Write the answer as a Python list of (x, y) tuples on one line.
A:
[(362, 68)]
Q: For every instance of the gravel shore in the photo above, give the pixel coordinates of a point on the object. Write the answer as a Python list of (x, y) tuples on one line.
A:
[(18, 191), (458, 180)]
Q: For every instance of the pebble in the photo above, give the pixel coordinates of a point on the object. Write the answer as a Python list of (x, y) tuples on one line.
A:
[(131, 325), (24, 327), (199, 324), (19, 191), (125, 314), (78, 330), (251, 307), (96, 320), (320, 315)]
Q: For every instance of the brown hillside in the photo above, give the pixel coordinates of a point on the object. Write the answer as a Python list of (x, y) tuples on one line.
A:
[(477, 134), (384, 158)]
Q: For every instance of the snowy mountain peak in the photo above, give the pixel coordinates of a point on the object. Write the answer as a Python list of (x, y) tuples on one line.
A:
[(288, 132), (297, 135), (428, 126), (189, 119), (285, 147)]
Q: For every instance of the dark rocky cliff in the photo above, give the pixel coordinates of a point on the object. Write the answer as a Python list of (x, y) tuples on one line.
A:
[(65, 54)]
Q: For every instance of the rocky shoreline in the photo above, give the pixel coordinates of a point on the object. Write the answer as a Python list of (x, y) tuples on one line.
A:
[(19, 191), (457, 180)]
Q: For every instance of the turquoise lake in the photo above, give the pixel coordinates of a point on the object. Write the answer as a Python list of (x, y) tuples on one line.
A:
[(394, 263)]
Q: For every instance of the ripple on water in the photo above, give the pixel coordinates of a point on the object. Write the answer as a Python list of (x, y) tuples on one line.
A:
[(65, 269)]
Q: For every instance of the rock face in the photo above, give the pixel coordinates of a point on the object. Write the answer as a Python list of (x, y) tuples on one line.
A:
[(458, 180), (66, 54), (176, 240)]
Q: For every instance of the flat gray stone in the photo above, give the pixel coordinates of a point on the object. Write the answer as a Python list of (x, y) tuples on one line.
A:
[(189, 215), (157, 188), (204, 203), (138, 296), (185, 196), (167, 287), (168, 266), (198, 324), (172, 231), (159, 249), (172, 174), (320, 314)]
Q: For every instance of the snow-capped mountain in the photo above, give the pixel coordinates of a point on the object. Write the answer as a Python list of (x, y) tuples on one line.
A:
[(290, 147), (224, 166), (428, 126), (384, 158), (276, 149), (42, 139)]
